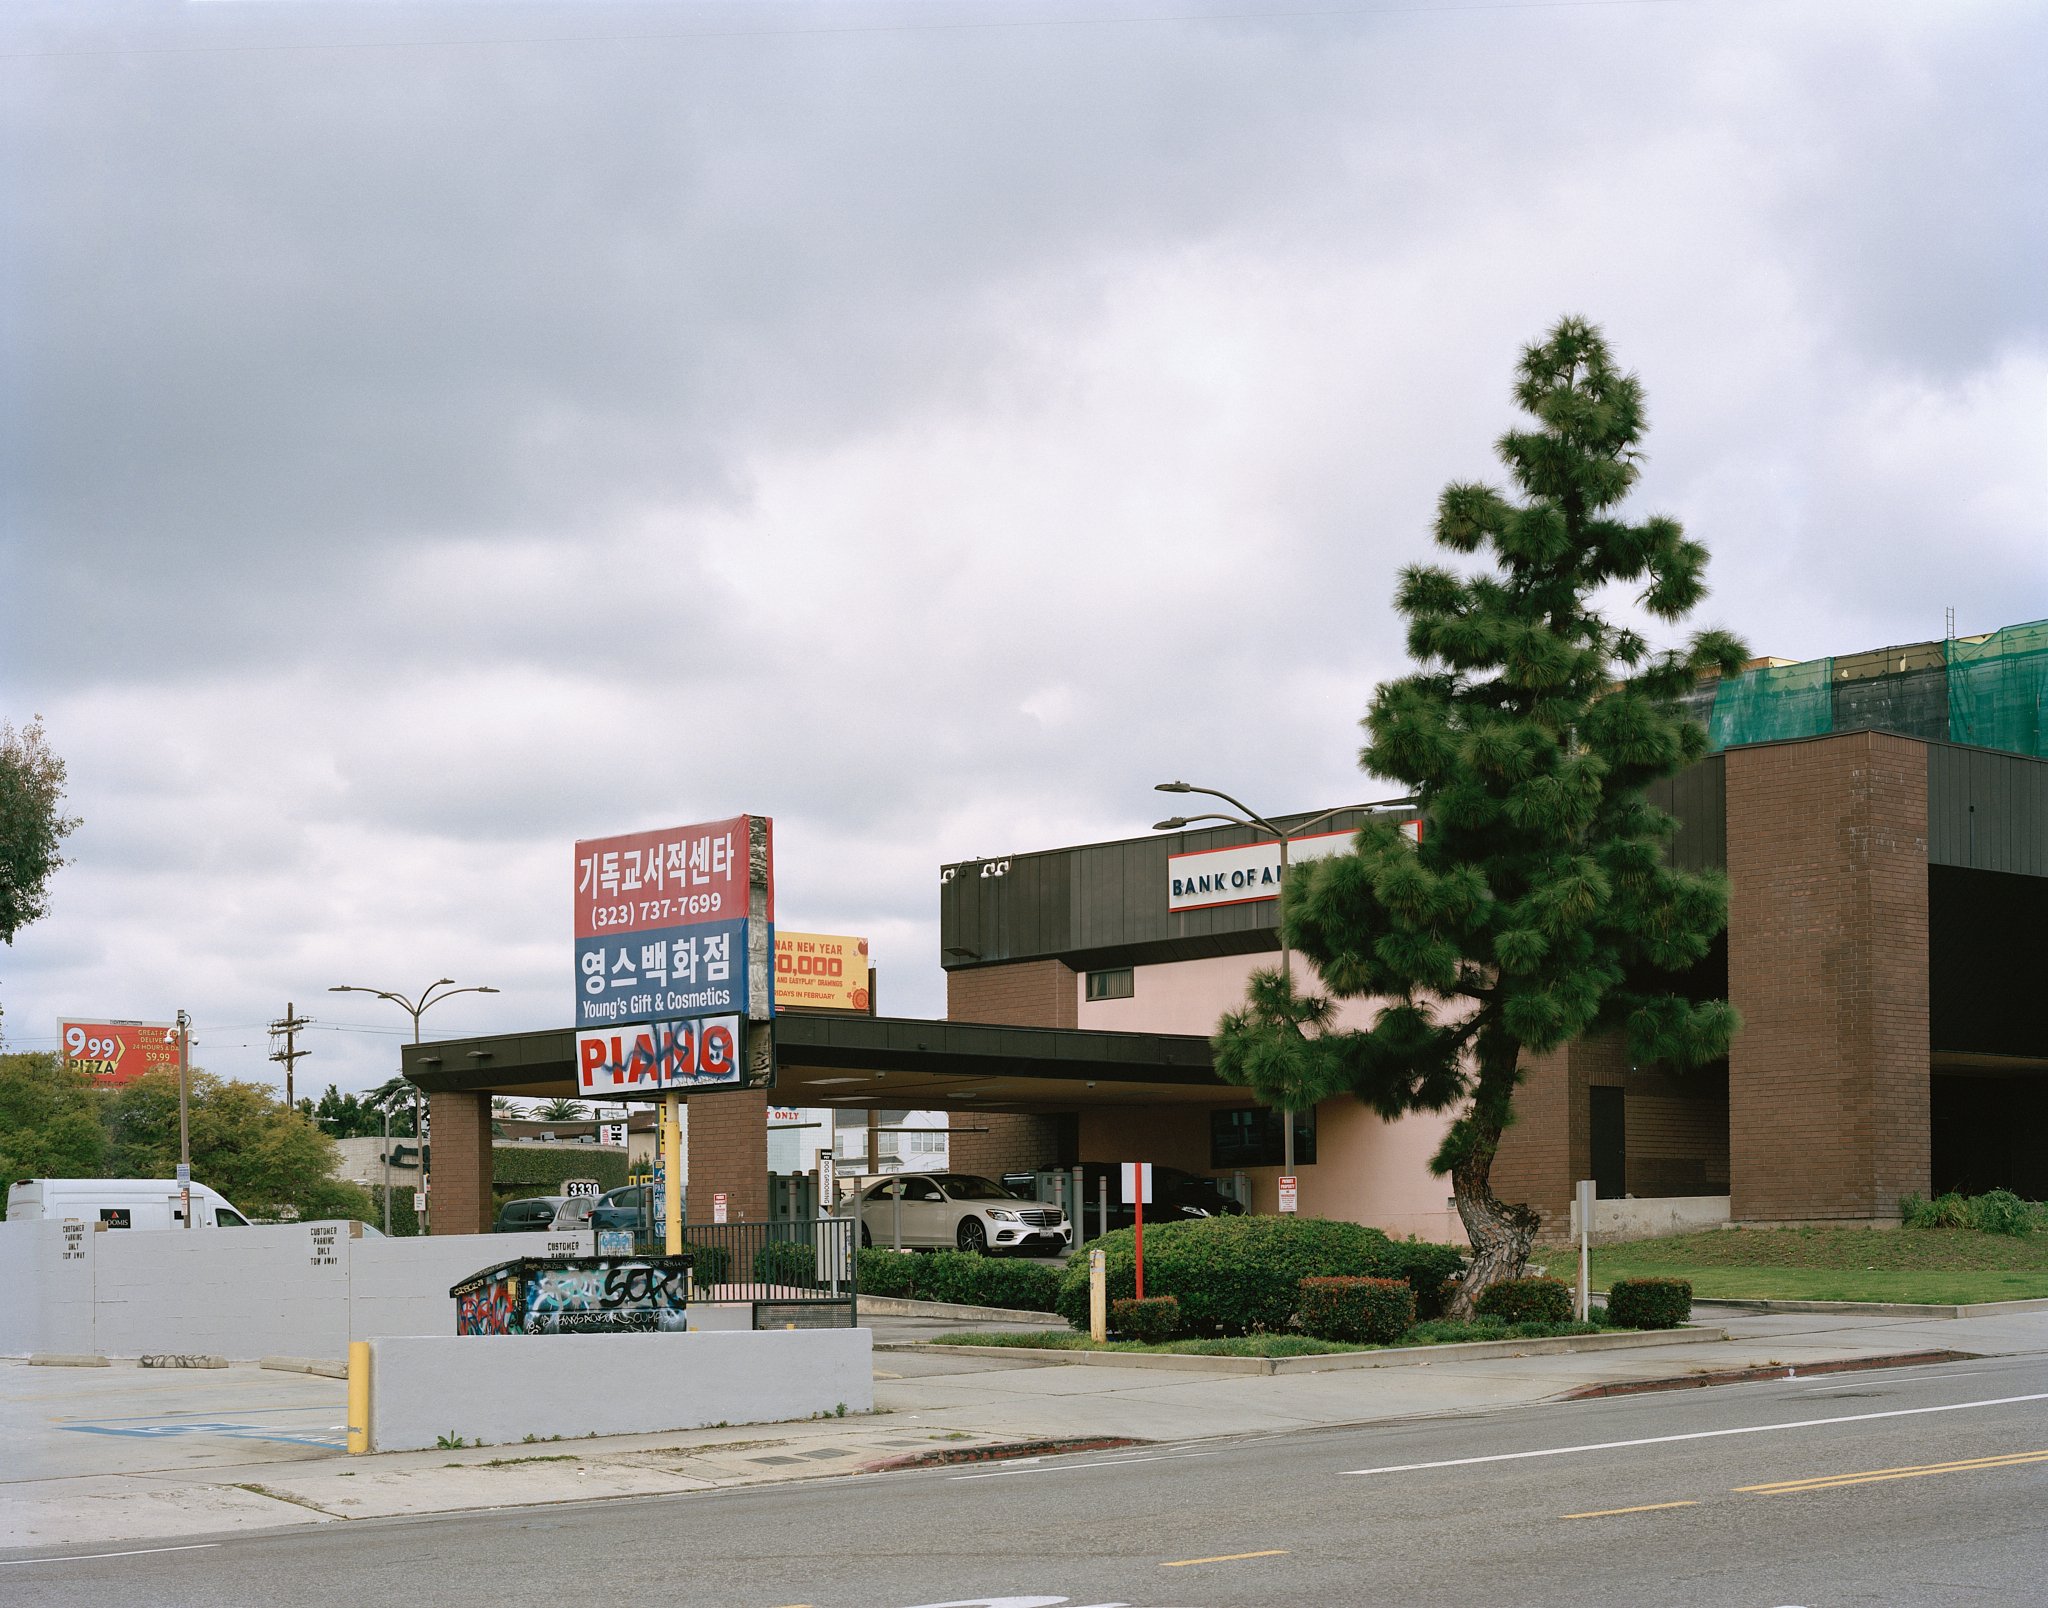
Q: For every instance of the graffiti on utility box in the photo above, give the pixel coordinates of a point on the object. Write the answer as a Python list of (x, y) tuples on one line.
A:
[(576, 1295)]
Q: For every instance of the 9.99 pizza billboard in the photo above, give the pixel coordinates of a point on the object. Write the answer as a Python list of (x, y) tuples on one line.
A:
[(119, 1052)]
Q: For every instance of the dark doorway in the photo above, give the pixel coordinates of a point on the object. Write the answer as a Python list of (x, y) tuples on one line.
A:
[(1610, 1143), (1986, 1134)]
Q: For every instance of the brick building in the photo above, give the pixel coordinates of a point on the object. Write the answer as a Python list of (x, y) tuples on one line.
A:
[(1883, 822)]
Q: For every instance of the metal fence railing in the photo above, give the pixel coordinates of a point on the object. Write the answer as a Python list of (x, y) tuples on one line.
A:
[(795, 1275)]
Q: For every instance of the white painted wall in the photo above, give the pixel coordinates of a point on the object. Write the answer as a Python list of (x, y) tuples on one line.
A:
[(493, 1390), (298, 1289)]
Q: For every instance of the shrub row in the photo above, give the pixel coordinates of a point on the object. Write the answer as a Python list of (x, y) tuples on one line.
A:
[(1152, 1320), (1526, 1301), (1649, 1303), (1359, 1311), (1239, 1275), (1997, 1211), (959, 1276)]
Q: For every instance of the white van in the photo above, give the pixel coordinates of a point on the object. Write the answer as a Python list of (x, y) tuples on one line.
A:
[(119, 1203)]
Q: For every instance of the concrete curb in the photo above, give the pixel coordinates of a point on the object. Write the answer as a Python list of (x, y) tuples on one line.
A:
[(1874, 1309), (180, 1359), (899, 1306), (1330, 1362), (60, 1359), (306, 1365)]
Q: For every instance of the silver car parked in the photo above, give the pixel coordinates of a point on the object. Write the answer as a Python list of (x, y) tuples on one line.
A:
[(959, 1211)]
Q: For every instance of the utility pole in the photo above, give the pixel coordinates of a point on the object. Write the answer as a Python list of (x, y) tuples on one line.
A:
[(290, 1054), (184, 1116)]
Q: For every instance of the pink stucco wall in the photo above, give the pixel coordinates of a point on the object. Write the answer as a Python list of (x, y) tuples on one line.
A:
[(1367, 1170)]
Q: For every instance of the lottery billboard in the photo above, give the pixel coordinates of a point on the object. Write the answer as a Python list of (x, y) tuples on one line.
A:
[(653, 1057), (820, 971), (119, 1052), (675, 923)]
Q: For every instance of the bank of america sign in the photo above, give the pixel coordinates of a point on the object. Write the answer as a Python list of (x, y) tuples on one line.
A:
[(1250, 872)]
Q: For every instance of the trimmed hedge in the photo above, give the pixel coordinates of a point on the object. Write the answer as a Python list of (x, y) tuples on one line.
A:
[(709, 1264), (518, 1171), (787, 1262), (1527, 1301), (1431, 1271), (960, 1276), (1361, 1311), (1152, 1320), (1649, 1303), (893, 1273), (1237, 1275)]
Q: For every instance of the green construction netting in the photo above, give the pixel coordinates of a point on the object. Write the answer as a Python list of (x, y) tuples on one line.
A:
[(1998, 690), (1773, 703)]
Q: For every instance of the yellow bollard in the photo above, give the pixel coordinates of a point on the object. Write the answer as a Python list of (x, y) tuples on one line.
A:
[(358, 1397), (672, 1175), (1098, 1298)]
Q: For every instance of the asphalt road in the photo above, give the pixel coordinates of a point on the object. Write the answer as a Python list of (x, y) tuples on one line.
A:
[(1905, 1487)]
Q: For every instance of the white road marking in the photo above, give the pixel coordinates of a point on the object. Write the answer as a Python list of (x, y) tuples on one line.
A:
[(1047, 1468), (1698, 1434), (84, 1557)]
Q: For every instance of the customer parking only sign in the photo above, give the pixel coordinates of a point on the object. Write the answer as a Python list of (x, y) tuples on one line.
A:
[(675, 924)]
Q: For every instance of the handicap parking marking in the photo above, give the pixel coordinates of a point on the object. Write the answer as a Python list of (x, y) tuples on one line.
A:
[(132, 1429)]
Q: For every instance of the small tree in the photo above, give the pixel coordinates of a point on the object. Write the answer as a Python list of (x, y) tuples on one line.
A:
[(33, 825), (49, 1120), (1537, 906)]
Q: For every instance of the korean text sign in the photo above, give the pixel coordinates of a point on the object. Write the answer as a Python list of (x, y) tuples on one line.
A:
[(119, 1052), (662, 922)]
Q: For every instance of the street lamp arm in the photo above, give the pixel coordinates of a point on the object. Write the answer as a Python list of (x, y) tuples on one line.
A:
[(1254, 817)]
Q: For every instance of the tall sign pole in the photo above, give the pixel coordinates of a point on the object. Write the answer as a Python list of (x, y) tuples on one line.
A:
[(672, 1172), (184, 1114)]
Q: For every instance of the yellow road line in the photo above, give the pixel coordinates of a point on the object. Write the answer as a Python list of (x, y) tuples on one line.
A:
[(1228, 1557), (1829, 1482), (1647, 1507)]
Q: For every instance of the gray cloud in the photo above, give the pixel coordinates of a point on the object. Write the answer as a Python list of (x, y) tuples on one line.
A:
[(412, 459)]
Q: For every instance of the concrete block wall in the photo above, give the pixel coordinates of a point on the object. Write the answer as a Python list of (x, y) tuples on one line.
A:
[(1828, 1085), (495, 1390), (302, 1289)]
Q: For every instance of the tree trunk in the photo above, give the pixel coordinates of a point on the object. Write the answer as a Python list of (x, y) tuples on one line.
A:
[(1501, 1234)]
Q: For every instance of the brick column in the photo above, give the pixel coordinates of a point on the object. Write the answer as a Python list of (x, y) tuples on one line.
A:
[(1024, 993), (728, 1150), (1550, 1146), (1827, 962), (461, 1201)]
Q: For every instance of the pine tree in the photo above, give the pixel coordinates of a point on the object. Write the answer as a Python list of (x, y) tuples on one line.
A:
[(1537, 906)]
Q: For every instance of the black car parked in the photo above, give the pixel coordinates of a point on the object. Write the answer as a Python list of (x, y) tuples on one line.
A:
[(1176, 1197), (526, 1216)]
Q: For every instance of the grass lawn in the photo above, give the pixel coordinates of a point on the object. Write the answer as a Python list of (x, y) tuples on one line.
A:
[(1272, 1345), (1937, 1265)]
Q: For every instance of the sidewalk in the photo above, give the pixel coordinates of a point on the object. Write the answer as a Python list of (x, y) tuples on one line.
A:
[(120, 1454)]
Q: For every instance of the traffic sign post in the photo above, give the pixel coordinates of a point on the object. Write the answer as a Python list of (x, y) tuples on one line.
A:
[(718, 1207), (1137, 1184)]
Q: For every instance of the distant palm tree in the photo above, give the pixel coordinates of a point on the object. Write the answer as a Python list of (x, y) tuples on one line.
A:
[(561, 1109), (503, 1106)]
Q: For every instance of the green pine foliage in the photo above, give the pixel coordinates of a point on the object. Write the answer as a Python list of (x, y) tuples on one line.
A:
[(1538, 906)]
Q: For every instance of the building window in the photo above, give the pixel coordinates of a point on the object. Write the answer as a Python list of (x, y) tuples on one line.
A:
[(1118, 983), (1253, 1138)]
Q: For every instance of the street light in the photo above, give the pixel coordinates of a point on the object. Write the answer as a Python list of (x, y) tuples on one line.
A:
[(415, 1008), (1259, 823)]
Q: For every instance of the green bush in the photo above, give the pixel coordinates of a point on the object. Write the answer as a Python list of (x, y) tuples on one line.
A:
[(1997, 1211), (1151, 1321), (709, 1264), (2000, 1211), (973, 1280), (1649, 1303), (1362, 1311), (1432, 1271), (1527, 1301), (1231, 1275), (786, 1262), (891, 1273)]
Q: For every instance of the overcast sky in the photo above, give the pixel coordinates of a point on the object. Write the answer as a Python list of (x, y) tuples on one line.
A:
[(429, 435)]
